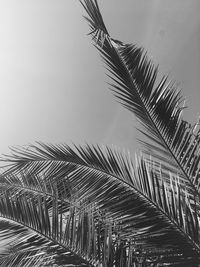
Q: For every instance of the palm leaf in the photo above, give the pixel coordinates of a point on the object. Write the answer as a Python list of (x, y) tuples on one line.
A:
[(39, 230), (158, 106), (92, 202), (146, 211)]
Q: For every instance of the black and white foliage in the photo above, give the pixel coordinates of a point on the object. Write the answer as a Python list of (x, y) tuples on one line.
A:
[(95, 206)]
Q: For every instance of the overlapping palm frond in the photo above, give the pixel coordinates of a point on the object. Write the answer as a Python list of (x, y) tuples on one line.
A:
[(157, 106), (20, 251), (92, 203), (34, 184), (42, 230), (142, 210)]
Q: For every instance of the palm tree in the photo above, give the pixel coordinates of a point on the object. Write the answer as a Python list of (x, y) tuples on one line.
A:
[(95, 206)]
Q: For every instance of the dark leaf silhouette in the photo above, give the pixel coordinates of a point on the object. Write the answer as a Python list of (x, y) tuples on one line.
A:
[(93, 206)]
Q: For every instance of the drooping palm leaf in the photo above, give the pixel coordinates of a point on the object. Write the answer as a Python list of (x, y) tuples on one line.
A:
[(40, 229), (130, 215), (146, 211), (157, 106)]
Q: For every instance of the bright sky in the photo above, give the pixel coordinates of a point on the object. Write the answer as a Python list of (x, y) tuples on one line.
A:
[(53, 84)]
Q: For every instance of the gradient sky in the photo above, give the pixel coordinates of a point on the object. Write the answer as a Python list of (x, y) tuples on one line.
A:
[(53, 84)]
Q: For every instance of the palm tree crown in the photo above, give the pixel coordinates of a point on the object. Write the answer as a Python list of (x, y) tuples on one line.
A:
[(95, 206)]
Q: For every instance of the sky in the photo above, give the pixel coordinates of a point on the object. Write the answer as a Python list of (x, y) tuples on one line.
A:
[(53, 86)]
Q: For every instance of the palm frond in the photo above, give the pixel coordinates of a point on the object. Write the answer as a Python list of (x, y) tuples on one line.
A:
[(158, 107), (39, 229), (92, 202), (145, 210)]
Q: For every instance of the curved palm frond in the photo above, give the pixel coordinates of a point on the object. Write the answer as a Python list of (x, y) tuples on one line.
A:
[(93, 203), (146, 211), (16, 235), (43, 231), (35, 250), (158, 107)]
